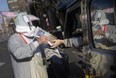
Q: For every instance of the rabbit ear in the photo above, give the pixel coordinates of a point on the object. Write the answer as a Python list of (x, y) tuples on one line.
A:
[(32, 17), (9, 14)]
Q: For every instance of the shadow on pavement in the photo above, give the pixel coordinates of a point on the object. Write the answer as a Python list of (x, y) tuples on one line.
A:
[(5, 62)]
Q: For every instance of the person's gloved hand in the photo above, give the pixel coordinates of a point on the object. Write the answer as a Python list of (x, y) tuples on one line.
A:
[(42, 39), (99, 32)]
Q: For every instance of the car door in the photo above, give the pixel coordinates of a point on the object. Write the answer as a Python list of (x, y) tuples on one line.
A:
[(97, 22), (101, 28)]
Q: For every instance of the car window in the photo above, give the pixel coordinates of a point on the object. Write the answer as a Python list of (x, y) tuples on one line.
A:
[(73, 24), (103, 24)]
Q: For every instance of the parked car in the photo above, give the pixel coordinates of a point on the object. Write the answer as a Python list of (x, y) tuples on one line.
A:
[(94, 19), (95, 22)]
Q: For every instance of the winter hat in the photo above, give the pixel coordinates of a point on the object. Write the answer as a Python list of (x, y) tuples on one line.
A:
[(24, 24), (101, 17)]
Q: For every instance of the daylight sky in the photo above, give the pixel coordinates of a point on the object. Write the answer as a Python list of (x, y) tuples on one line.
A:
[(3, 7)]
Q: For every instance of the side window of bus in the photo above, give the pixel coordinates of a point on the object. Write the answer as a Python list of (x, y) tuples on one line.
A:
[(103, 24)]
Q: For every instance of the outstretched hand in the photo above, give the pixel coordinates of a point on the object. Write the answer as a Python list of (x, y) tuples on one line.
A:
[(56, 43)]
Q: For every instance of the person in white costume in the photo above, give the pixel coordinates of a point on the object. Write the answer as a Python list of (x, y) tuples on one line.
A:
[(24, 50)]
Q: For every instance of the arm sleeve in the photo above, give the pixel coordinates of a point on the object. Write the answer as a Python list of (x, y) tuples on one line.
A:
[(20, 51), (73, 42)]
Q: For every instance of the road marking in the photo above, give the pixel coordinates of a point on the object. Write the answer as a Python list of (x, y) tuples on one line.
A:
[(1, 64)]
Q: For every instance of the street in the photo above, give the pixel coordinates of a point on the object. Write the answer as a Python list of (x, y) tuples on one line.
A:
[(5, 62)]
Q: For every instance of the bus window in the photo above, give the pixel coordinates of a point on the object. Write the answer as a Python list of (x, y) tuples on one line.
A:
[(103, 24)]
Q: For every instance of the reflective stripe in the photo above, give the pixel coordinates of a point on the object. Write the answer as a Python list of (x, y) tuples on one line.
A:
[(23, 39), (105, 28)]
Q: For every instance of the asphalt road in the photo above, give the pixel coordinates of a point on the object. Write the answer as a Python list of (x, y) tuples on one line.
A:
[(5, 62)]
